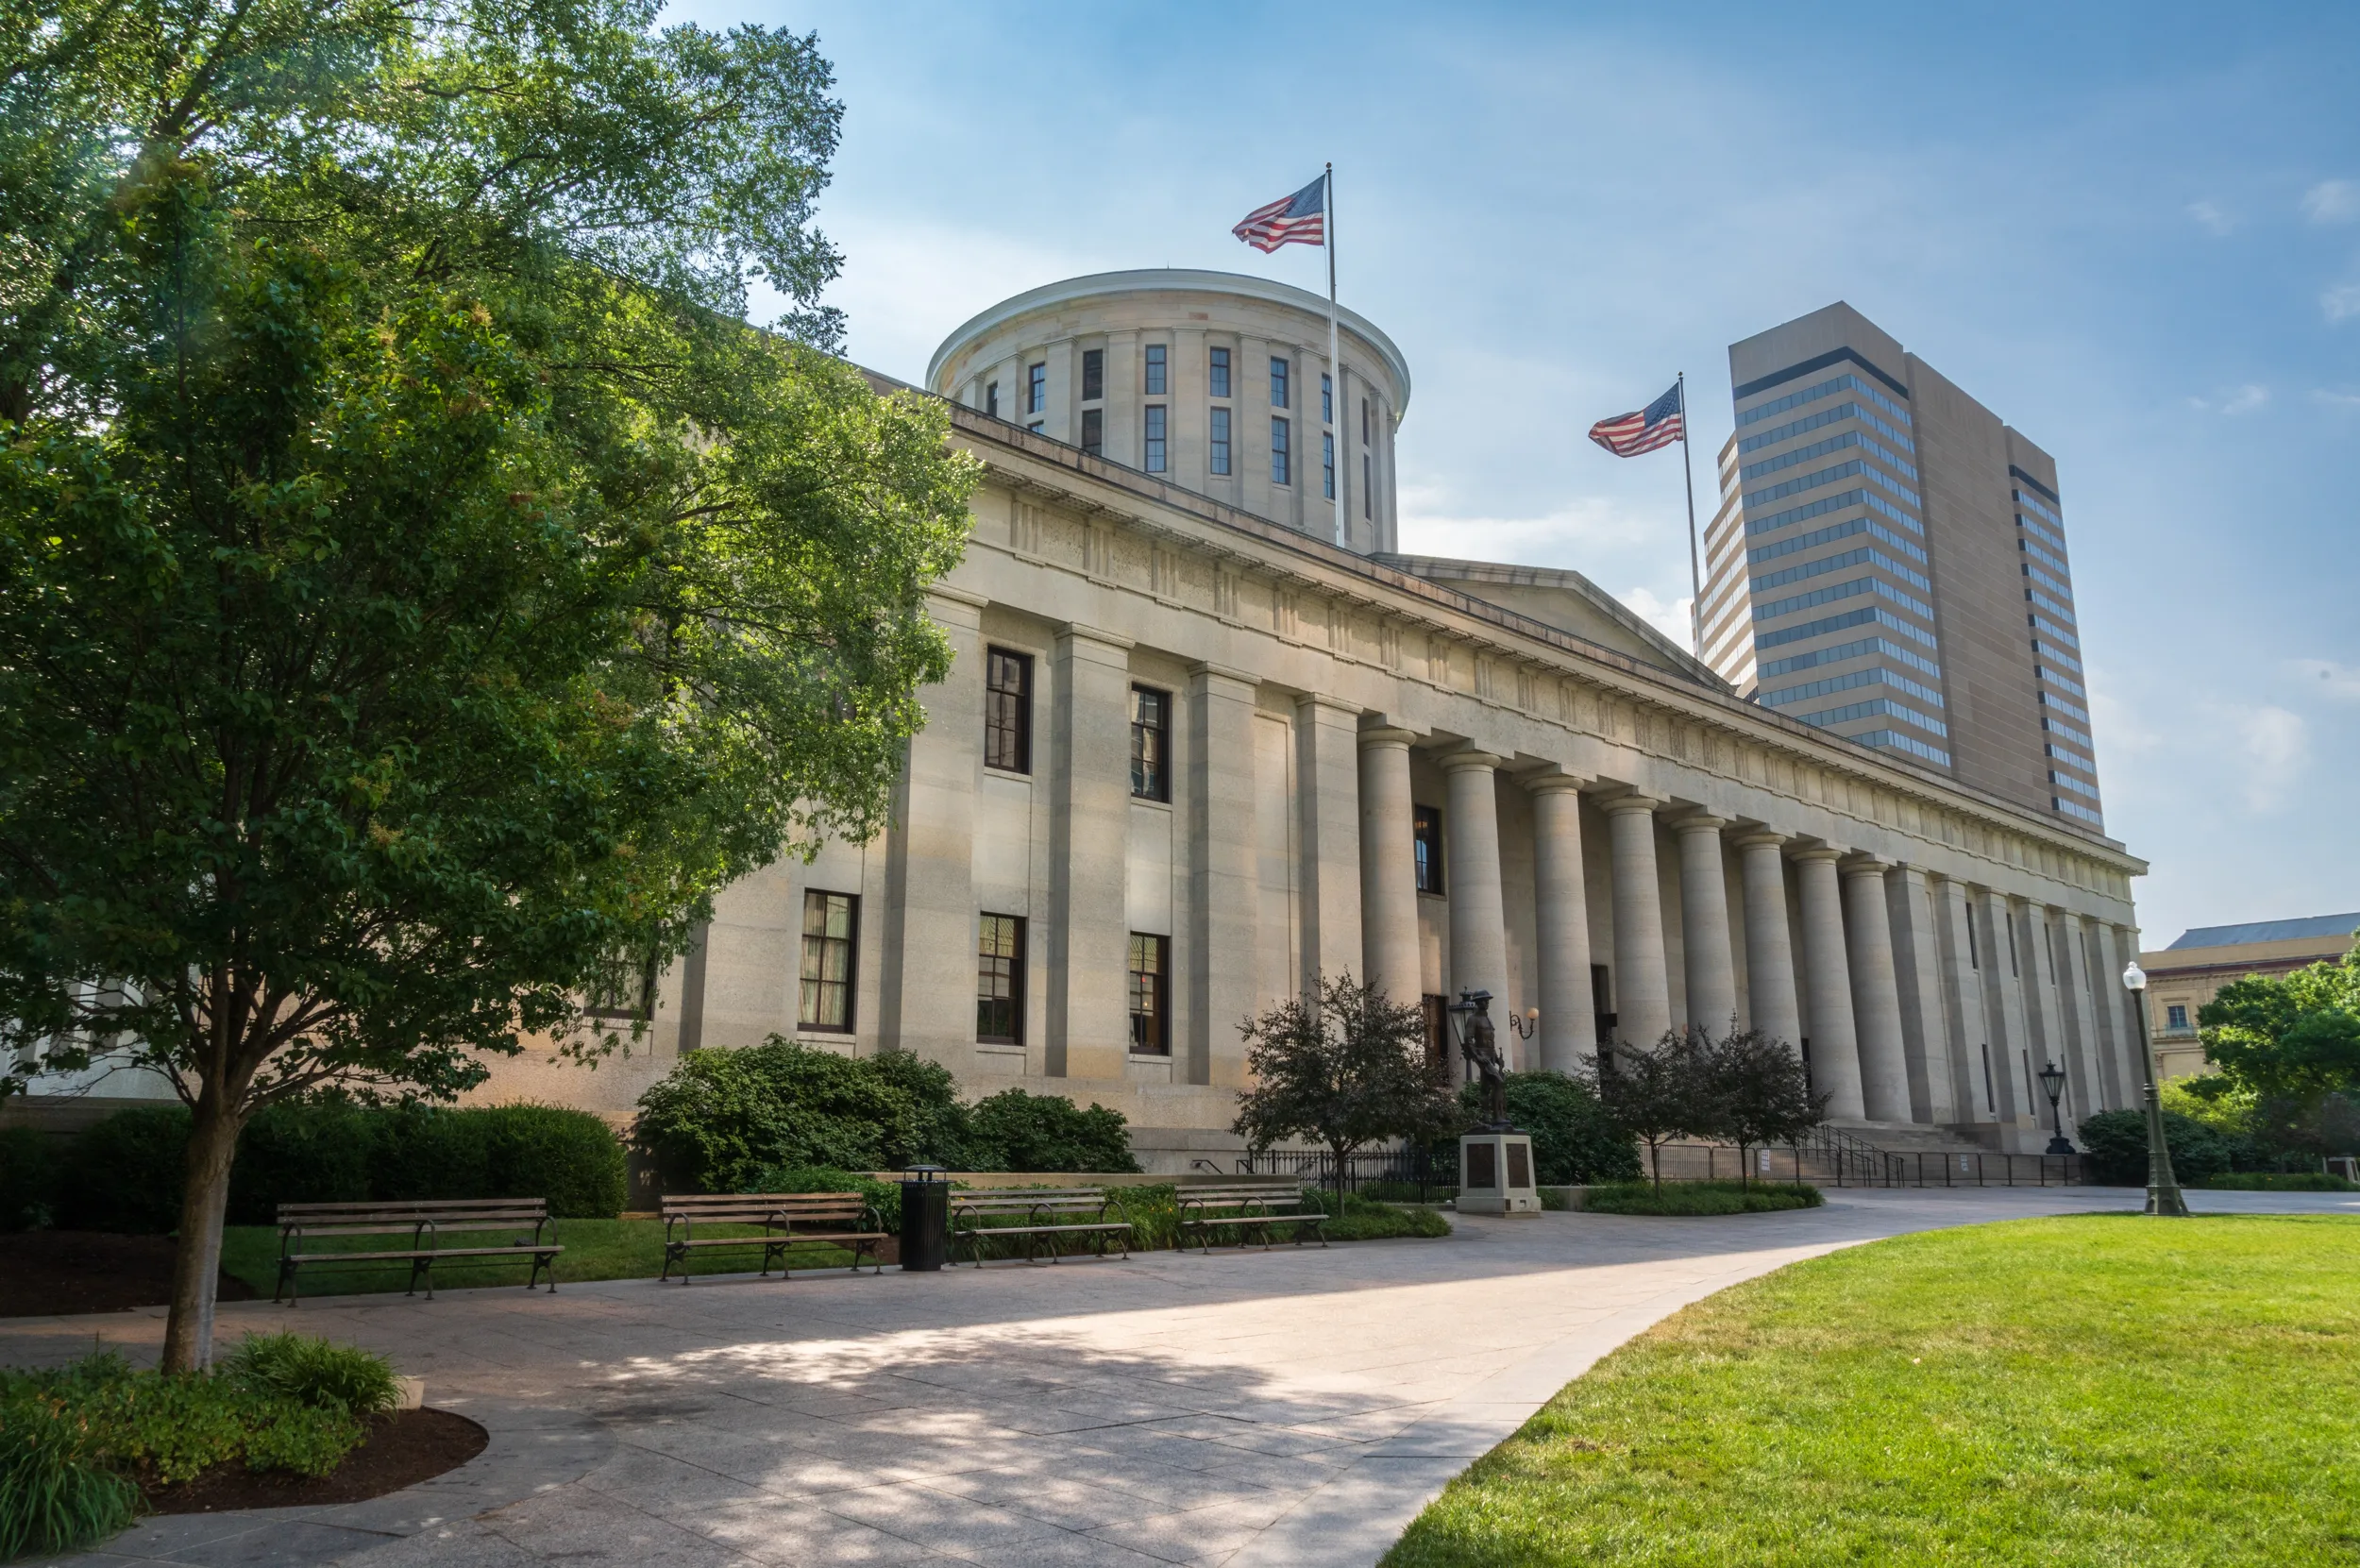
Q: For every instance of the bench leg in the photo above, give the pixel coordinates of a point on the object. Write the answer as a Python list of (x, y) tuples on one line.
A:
[(541, 1261), (286, 1283)]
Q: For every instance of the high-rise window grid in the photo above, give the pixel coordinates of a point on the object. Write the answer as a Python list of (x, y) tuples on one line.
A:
[(1218, 442), (1154, 369), (831, 929), (1008, 710), (1151, 744), (1150, 1033), (1217, 371), (999, 980), (1281, 463), (1155, 442)]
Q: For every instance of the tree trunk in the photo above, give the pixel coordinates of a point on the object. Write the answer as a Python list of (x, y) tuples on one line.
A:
[(197, 1264)]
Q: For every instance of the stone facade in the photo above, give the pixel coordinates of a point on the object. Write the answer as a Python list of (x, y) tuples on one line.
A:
[(1625, 843)]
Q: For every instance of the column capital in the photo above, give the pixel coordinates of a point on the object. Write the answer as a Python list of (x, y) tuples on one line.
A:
[(1073, 631), (1554, 781), (1333, 704), (1753, 838), (1371, 739), (1863, 865), (1815, 853), (956, 605), (1699, 822), (1632, 802), (1452, 762), (1207, 669)]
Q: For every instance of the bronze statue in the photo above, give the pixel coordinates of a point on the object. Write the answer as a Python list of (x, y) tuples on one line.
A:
[(1479, 1044)]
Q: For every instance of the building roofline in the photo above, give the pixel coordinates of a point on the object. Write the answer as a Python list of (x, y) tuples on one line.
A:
[(1167, 279), (1450, 568)]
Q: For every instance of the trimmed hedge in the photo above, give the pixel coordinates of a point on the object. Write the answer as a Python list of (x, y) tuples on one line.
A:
[(29, 1179), (1691, 1199), (125, 1173)]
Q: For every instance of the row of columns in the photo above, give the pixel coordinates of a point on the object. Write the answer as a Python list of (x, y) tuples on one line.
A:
[(1886, 993)]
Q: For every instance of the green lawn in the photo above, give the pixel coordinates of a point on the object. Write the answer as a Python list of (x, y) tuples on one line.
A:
[(2101, 1390)]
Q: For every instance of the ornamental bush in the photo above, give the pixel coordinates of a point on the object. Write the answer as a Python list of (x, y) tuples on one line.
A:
[(1689, 1199), (125, 1174), (1575, 1138), (2115, 1147), (1014, 1130)]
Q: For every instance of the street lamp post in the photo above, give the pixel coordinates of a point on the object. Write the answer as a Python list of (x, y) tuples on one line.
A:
[(2052, 1081), (2162, 1188)]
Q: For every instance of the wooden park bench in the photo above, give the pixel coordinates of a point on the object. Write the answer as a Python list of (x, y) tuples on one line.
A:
[(1245, 1210), (434, 1231), (787, 1220), (1039, 1214)]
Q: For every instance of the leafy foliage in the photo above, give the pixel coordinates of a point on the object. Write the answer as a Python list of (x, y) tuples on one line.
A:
[(2296, 1036), (1345, 1068), (1700, 1198), (313, 1371), (1015, 1130), (126, 1172), (885, 1197), (420, 590), (1760, 1091), (1661, 1092), (2281, 1181), (2114, 1147), (1575, 1138), (29, 1179)]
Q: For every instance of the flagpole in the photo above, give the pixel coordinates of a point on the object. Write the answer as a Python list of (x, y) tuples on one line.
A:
[(1335, 365), (1696, 577)]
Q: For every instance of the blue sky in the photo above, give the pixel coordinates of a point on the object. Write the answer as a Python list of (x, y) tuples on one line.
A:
[(2133, 232)]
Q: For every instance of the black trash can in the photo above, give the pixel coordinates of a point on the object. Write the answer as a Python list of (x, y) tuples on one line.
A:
[(925, 1216)]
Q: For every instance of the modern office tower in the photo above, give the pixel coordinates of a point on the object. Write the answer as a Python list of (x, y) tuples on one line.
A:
[(1888, 563)]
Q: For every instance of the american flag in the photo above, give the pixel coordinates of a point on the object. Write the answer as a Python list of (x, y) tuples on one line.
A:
[(1297, 220), (1659, 424)]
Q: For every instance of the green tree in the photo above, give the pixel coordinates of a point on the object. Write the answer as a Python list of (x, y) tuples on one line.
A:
[(1344, 1068), (1662, 1091), (2296, 1036), (420, 588), (1760, 1093)]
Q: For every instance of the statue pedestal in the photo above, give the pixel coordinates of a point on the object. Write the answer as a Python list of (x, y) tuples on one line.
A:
[(1495, 1174)]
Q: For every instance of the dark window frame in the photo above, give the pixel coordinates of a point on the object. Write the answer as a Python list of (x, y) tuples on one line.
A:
[(1155, 453), (1281, 381), (1327, 399), (1218, 438), (1007, 711), (1094, 431), (1217, 371), (1327, 466), (1282, 465), (1151, 1026), (1368, 486), (1153, 370), (1151, 744), (1093, 374), (1425, 848), (812, 972), (1036, 387), (1000, 979), (991, 398)]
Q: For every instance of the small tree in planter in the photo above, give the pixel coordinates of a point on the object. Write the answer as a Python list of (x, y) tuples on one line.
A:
[(1662, 1091), (1762, 1091), (1345, 1068)]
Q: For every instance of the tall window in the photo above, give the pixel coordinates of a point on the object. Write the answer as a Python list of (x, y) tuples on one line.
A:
[(1220, 441), (1327, 464), (1093, 374), (1154, 438), (1149, 1032), (1036, 389), (1974, 959), (1093, 430), (999, 980), (1280, 469), (991, 398), (1427, 844), (1008, 710), (1218, 367), (831, 925), (1368, 486), (1151, 744), (1277, 382), (1364, 421), (1156, 370), (1327, 399)]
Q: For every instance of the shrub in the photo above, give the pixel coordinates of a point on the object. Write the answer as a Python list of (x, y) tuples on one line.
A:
[(885, 1197), (433, 1152), (1698, 1198), (29, 1179), (315, 1372), (2114, 1145), (1355, 1218), (125, 1174), (1014, 1130), (1575, 1138), (308, 1151), (55, 1493), (721, 1118), (570, 1157), (2281, 1181)]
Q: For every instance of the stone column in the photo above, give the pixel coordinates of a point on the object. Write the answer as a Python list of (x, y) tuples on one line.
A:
[(1876, 997), (926, 1001), (1328, 810), (1769, 946), (1834, 1044), (1962, 1004), (1705, 924), (2044, 1030), (2113, 1061), (1917, 974), (1471, 855), (1388, 870), (1569, 1023), (1088, 1030), (2003, 1005), (1642, 984), (2117, 946), (1225, 896), (2080, 1022)]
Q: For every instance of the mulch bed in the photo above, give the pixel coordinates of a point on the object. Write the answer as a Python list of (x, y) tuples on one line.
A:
[(45, 1272), (401, 1449)]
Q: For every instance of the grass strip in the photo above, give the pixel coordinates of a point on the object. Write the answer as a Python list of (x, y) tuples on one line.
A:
[(2093, 1391)]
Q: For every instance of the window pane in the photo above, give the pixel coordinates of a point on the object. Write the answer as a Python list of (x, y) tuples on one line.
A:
[(1277, 382), (1155, 437), (1007, 711), (1219, 370), (1220, 441), (1426, 845), (1037, 380), (991, 398), (1279, 467), (1093, 430), (1327, 399), (1154, 369), (1000, 979), (1147, 996), (1151, 722), (825, 999), (1093, 374), (1327, 464)]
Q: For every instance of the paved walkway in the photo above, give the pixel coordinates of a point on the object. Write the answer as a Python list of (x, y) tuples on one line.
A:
[(1289, 1407)]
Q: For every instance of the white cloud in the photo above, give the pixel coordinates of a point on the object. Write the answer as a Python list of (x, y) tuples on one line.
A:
[(2211, 218), (2342, 302), (2336, 399), (2242, 399), (2127, 732), (2341, 682), (2332, 201), (2276, 744), (1669, 619)]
